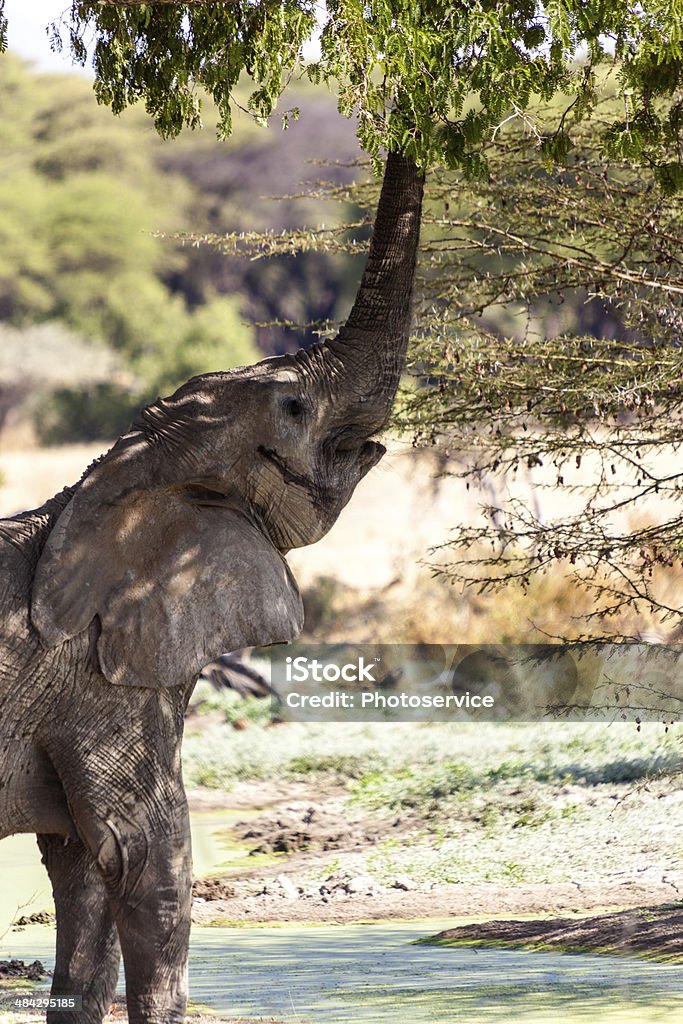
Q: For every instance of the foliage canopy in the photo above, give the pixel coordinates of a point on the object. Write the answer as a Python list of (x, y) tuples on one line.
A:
[(431, 78)]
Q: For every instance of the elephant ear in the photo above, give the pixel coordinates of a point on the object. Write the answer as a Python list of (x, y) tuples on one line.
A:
[(174, 582)]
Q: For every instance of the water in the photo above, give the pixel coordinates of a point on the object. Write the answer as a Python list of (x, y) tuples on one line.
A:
[(373, 974), (25, 887)]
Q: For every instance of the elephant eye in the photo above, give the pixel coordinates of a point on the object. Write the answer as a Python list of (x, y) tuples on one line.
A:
[(293, 407)]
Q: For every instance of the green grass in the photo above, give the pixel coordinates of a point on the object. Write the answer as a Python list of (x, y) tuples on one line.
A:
[(415, 765), (555, 802)]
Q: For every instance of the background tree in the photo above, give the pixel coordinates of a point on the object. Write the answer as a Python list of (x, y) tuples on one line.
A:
[(83, 198)]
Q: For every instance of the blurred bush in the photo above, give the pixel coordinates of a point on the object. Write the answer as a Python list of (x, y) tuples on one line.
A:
[(90, 209), (84, 413)]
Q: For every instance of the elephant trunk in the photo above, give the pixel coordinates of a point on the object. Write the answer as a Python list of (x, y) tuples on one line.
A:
[(371, 346)]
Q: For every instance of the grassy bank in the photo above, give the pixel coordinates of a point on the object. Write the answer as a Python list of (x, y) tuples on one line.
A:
[(470, 803)]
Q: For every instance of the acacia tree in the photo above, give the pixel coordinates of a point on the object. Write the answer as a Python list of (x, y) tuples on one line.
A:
[(549, 348), (499, 94), (431, 78)]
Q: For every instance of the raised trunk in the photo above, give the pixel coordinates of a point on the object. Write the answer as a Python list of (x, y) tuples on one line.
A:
[(372, 344)]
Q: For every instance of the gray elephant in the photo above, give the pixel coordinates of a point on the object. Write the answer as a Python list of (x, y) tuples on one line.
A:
[(116, 592)]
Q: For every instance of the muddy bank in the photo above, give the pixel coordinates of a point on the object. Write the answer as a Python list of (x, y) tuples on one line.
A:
[(311, 862), (654, 931), (299, 904)]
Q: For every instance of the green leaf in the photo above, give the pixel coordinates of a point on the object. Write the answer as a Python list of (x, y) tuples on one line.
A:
[(405, 71), (669, 176)]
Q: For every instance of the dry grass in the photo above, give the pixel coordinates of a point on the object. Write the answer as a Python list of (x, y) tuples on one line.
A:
[(428, 610)]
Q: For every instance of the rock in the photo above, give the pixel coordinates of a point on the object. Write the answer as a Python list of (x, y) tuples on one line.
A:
[(403, 882), (41, 917), (290, 890), (361, 884), (18, 969)]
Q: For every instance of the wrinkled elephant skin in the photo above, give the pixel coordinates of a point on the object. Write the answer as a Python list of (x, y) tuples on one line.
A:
[(118, 591)]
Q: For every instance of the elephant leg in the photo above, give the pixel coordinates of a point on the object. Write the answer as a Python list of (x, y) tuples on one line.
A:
[(148, 876), (128, 805), (88, 952)]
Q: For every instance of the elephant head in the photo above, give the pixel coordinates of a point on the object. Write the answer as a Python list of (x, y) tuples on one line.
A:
[(173, 542)]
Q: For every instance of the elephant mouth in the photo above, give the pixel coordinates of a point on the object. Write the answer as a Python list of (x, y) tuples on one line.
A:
[(366, 455), (209, 497), (287, 473)]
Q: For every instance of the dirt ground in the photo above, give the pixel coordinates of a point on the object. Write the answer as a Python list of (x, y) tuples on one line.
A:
[(307, 835)]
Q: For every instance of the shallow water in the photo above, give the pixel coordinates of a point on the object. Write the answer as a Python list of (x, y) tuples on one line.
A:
[(367, 973), (374, 974), (25, 887)]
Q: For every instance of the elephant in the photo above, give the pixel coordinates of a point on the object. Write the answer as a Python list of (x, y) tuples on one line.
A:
[(168, 552)]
